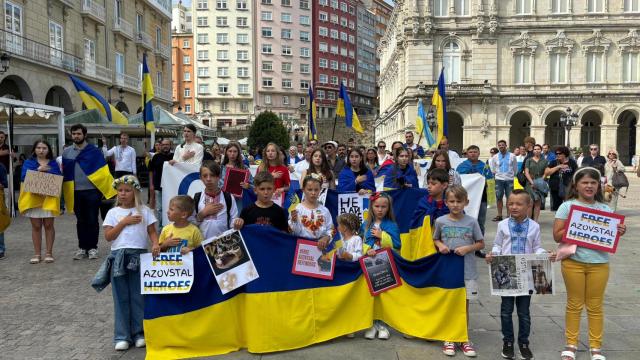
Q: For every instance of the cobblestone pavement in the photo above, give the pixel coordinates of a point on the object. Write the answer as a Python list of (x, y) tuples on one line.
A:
[(49, 311)]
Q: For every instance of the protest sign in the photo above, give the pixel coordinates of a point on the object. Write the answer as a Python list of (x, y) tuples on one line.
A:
[(230, 260), (352, 203), (593, 229), (42, 183), (517, 275), (233, 178), (169, 273), (310, 261), (380, 271), (278, 199)]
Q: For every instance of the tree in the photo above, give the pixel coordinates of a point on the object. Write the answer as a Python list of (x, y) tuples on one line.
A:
[(267, 128)]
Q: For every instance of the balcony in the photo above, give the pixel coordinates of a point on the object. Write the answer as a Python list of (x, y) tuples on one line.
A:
[(99, 72), (127, 81), (143, 39), (163, 51), (162, 93), (94, 11), (123, 27)]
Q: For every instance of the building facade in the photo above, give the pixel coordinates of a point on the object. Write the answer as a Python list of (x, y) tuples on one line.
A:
[(224, 39), (182, 77), (513, 68), (284, 65), (364, 98), (181, 19), (102, 45), (334, 51)]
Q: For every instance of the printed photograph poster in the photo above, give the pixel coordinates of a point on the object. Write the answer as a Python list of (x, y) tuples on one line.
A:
[(380, 271), (168, 273), (353, 203), (278, 199), (230, 261), (311, 261), (233, 178), (593, 229), (517, 275)]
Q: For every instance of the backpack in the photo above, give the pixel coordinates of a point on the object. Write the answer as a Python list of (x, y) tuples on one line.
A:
[(227, 202)]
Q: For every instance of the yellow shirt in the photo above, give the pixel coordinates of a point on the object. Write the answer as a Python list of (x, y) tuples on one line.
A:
[(191, 233)]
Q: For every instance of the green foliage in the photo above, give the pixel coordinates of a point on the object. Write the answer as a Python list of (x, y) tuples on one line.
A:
[(268, 128)]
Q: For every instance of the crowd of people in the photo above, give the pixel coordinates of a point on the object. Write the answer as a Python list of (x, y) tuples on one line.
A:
[(130, 225)]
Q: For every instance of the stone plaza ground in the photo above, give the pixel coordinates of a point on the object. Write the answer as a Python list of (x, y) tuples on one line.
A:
[(49, 311)]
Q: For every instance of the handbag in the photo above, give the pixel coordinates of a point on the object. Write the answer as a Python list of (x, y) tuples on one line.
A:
[(619, 180)]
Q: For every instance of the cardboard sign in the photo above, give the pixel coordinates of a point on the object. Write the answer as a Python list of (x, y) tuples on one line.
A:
[(233, 178), (352, 203), (169, 273), (310, 261), (380, 271), (518, 275), (593, 229), (230, 260), (42, 183)]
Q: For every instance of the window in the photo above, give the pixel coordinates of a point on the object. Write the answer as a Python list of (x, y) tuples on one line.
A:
[(223, 88), (323, 31), (241, 5), (205, 105), (267, 82), (334, 65), (221, 4), (285, 18), (187, 92), (267, 2), (243, 88), (286, 84), (462, 7), (242, 38), (243, 72), (344, 22), (594, 67), (266, 16), (223, 55), (242, 55), (523, 7), (203, 89), (334, 49), (267, 99), (266, 49), (202, 5), (203, 55), (632, 6), (305, 20), (186, 59), (323, 47), (559, 6), (334, 18), (286, 50), (203, 72), (223, 72), (595, 6), (224, 105), (630, 67), (323, 63), (285, 2), (343, 7), (267, 32), (352, 39), (185, 44), (305, 52), (323, 79), (286, 34), (221, 21), (304, 4), (187, 76), (303, 101), (305, 36), (441, 8), (187, 108), (343, 51), (334, 4), (244, 106), (203, 38), (323, 16), (334, 80), (56, 42), (522, 68), (334, 34), (331, 95), (343, 36), (451, 56), (242, 22), (320, 94), (287, 67), (343, 67), (558, 68), (285, 99), (89, 50), (202, 21), (304, 84), (323, 2), (305, 69), (267, 66)]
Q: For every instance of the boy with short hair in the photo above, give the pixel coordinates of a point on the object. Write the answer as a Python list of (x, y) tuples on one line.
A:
[(180, 232), (434, 204), (460, 234), (517, 235), (264, 211)]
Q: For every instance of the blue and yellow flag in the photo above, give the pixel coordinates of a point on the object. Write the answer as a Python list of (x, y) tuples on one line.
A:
[(346, 111), (91, 161), (93, 100), (439, 101), (147, 96), (422, 127), (313, 115)]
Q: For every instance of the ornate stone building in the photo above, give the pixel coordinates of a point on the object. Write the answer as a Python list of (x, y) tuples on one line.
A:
[(513, 67)]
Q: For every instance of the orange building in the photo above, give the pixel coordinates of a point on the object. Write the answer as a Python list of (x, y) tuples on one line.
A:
[(182, 74)]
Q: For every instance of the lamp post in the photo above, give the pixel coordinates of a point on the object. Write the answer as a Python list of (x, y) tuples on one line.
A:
[(431, 119), (4, 62), (568, 120)]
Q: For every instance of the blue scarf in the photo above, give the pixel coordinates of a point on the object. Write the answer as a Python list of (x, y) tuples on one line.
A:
[(504, 161), (518, 232)]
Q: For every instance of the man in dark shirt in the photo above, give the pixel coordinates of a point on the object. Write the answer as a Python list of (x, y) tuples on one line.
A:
[(335, 163), (594, 157), (155, 177)]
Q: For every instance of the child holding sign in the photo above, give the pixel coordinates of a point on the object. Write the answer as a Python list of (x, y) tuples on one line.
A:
[(310, 219), (348, 226), (586, 271), (180, 233), (128, 227), (380, 231)]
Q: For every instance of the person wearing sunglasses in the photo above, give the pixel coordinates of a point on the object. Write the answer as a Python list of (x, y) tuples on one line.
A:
[(382, 152), (560, 172), (593, 158), (613, 166)]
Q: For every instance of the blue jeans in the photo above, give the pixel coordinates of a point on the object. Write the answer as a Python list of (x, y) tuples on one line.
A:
[(503, 187), (86, 206), (524, 318), (128, 304), (482, 215), (2, 248)]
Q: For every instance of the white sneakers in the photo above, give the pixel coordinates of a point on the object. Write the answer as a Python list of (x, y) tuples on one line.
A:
[(80, 254), (378, 329), (93, 254), (122, 345), (383, 332), (371, 333), (140, 343)]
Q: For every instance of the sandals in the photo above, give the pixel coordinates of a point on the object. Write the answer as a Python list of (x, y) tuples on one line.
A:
[(569, 353), (35, 259), (48, 258), (497, 218), (596, 354)]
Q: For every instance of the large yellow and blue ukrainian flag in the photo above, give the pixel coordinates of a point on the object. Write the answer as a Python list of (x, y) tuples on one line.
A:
[(422, 127), (281, 311), (345, 110), (313, 115), (28, 200), (93, 100), (439, 101), (147, 96), (92, 163)]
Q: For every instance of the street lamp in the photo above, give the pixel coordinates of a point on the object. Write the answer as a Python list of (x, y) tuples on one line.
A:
[(4, 62), (568, 120), (431, 119)]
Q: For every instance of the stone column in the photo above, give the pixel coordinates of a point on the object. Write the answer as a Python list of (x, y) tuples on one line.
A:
[(537, 132), (608, 137), (574, 136)]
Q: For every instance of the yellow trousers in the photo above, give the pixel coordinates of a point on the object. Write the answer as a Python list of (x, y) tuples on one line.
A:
[(585, 285)]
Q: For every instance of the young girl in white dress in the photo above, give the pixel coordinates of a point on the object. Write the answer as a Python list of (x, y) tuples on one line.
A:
[(310, 219)]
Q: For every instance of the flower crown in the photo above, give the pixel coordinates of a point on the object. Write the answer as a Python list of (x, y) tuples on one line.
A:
[(314, 176), (129, 180)]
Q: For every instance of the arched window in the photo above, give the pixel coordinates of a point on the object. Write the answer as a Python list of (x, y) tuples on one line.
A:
[(451, 56)]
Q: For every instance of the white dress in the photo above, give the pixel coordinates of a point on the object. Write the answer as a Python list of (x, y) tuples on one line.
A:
[(38, 213)]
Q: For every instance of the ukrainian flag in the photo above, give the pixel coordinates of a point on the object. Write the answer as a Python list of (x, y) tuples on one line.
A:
[(439, 101), (93, 100), (423, 126), (282, 311), (313, 115), (28, 200), (346, 111), (92, 163), (147, 96)]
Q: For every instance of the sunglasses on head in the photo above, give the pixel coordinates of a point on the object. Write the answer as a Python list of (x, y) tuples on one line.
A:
[(559, 153)]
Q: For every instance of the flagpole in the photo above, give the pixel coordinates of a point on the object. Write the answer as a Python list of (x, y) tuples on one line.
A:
[(144, 115), (335, 120)]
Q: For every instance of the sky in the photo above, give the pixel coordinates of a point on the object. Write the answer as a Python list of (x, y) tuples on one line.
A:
[(188, 2)]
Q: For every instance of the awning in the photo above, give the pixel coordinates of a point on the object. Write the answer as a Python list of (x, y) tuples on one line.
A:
[(92, 119)]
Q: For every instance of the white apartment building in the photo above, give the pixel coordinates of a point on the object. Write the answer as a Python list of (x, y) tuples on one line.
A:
[(513, 67)]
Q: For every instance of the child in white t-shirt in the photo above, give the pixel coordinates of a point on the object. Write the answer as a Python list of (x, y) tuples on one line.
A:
[(348, 226), (216, 211), (310, 219)]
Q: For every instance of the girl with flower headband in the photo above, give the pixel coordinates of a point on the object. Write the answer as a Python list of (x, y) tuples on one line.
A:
[(380, 231), (129, 226), (309, 218), (319, 165), (585, 271)]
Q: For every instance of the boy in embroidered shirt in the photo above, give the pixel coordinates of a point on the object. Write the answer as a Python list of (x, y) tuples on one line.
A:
[(517, 235), (180, 231)]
